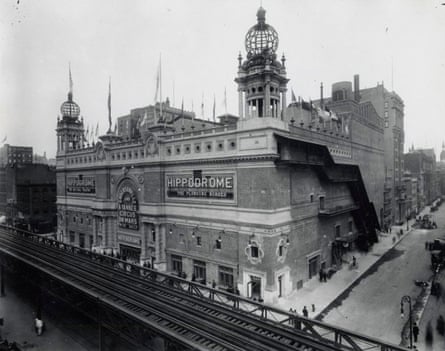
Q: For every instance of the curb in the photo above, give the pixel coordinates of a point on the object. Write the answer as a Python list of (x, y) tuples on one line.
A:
[(319, 316)]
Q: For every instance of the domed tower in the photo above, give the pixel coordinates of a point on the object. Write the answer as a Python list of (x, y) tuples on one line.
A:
[(262, 82), (70, 129)]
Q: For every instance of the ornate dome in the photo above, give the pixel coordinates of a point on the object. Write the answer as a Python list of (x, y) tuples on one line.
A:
[(69, 108), (261, 37)]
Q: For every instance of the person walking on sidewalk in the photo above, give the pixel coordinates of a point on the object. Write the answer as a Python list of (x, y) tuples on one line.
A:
[(415, 331), (320, 274), (39, 326), (305, 312)]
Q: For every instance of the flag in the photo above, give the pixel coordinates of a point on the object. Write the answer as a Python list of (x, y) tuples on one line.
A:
[(225, 100), (294, 99), (4, 139), (202, 106), (109, 105), (214, 108), (71, 80), (182, 112), (97, 129)]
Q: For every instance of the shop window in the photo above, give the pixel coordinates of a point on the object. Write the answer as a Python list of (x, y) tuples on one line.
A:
[(177, 263), (225, 276)]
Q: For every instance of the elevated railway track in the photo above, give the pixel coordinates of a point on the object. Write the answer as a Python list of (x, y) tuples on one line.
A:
[(141, 303)]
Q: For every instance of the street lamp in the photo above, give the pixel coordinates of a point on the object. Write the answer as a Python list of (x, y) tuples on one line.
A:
[(407, 299)]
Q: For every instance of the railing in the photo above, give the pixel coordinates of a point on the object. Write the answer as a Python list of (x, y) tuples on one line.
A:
[(332, 335)]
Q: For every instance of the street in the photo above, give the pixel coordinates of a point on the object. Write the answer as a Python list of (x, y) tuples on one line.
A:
[(372, 306)]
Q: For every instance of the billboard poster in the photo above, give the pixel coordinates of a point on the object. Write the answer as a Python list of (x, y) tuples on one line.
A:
[(81, 184), (127, 208), (200, 186)]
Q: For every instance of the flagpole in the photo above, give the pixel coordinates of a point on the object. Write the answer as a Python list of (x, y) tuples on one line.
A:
[(109, 105)]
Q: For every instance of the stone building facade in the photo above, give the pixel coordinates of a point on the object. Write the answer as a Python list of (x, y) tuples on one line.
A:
[(255, 203)]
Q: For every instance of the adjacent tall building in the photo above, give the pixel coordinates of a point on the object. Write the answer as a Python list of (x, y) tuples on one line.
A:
[(258, 202)]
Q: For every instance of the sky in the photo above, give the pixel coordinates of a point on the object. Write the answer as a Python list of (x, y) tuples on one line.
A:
[(398, 42)]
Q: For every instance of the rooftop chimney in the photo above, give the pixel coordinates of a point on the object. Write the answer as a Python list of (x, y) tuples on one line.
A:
[(357, 87)]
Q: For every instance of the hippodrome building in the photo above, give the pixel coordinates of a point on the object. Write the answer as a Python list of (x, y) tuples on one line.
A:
[(258, 202)]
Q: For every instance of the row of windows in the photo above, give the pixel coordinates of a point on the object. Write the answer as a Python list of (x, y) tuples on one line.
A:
[(80, 219), (198, 147), (225, 274), (198, 241), (260, 90)]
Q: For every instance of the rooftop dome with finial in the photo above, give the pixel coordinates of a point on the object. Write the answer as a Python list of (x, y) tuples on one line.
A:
[(69, 108), (262, 37)]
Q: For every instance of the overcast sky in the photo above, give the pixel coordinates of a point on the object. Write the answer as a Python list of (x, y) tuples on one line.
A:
[(400, 42)]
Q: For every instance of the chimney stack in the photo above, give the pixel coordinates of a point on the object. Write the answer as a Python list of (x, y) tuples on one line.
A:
[(357, 87)]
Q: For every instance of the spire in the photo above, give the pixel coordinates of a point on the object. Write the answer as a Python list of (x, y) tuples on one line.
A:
[(109, 105), (70, 92)]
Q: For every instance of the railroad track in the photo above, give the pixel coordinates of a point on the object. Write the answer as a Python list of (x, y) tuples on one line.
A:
[(201, 324)]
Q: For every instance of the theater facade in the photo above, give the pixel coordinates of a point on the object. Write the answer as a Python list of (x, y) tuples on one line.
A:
[(256, 202)]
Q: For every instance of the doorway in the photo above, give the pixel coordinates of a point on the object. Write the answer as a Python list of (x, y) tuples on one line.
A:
[(313, 266), (255, 287)]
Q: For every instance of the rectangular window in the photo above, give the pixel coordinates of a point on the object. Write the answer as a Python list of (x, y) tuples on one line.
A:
[(350, 226), (198, 241), (153, 235), (225, 276), (177, 263), (199, 270), (280, 250), (321, 202), (218, 244), (254, 251)]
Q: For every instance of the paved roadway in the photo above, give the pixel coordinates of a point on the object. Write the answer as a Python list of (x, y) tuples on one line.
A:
[(372, 306)]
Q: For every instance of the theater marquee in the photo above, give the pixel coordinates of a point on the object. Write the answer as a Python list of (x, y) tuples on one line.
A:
[(201, 186)]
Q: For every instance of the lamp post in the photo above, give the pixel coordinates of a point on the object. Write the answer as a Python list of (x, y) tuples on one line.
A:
[(407, 299)]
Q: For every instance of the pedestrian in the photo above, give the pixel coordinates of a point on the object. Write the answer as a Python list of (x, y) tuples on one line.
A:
[(313, 308), (354, 262), (415, 331), (305, 312), (320, 274), (325, 275), (39, 326)]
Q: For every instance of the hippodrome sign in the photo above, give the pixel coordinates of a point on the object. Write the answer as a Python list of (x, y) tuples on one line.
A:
[(81, 184), (204, 187), (127, 208)]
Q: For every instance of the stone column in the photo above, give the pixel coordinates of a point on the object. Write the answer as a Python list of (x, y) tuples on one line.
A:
[(284, 103), (266, 105), (157, 246), (240, 103), (94, 230), (145, 231)]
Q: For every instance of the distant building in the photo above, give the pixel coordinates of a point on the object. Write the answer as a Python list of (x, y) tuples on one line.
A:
[(441, 172), (28, 196), (15, 155), (390, 107), (422, 164)]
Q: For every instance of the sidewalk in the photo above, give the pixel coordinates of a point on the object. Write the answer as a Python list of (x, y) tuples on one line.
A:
[(321, 295)]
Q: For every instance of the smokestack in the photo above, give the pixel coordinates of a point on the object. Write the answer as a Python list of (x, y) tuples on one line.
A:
[(321, 96), (357, 87)]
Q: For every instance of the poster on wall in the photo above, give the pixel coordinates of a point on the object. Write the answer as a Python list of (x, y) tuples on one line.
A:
[(199, 186), (81, 184), (127, 208)]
